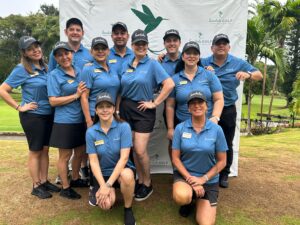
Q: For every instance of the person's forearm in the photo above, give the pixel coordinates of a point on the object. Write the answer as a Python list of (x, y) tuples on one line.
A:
[(218, 108), (256, 75), (59, 101), (96, 169), (4, 94), (216, 169), (85, 108), (117, 170), (165, 91), (180, 167), (170, 111)]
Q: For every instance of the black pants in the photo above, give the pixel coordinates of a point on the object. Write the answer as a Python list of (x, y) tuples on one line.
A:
[(228, 124)]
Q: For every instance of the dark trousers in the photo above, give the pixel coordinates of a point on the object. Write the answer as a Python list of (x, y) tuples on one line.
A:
[(228, 123)]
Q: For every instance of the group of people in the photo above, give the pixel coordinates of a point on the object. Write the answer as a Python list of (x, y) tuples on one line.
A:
[(100, 102)]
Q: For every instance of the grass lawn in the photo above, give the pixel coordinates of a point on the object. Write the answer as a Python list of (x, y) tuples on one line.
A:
[(267, 190)]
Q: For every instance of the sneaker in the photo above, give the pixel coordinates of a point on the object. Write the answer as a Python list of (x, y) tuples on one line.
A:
[(92, 196), (79, 183), (69, 193), (129, 217), (58, 180), (41, 192), (137, 186), (143, 193), (51, 187), (185, 210), (84, 173), (223, 181)]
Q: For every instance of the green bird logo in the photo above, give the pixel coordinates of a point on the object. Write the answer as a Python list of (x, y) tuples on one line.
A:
[(148, 18)]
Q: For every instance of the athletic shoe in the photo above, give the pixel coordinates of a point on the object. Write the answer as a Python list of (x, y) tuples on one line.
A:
[(137, 186), (58, 180), (79, 183), (92, 196), (223, 181), (51, 187), (185, 210), (129, 217), (69, 193), (143, 193), (41, 192), (84, 173)]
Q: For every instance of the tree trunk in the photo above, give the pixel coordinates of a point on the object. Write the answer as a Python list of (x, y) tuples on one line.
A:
[(249, 133), (273, 92), (263, 90)]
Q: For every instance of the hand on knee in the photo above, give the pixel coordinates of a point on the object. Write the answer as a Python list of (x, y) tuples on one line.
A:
[(105, 204)]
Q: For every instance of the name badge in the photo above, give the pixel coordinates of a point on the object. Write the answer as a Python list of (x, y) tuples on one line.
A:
[(129, 70), (34, 74), (70, 81), (186, 135), (112, 61), (183, 82), (100, 142), (97, 71)]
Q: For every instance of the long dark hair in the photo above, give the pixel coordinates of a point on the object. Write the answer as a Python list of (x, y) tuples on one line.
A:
[(27, 63), (180, 64)]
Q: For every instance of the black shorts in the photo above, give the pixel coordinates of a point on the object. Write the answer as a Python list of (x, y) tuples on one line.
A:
[(68, 136), (211, 190), (37, 129), (139, 121)]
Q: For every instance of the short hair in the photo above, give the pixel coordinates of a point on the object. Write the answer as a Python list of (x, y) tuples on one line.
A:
[(74, 21)]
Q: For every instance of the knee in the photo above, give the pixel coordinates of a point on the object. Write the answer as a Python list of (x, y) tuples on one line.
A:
[(127, 177), (182, 197)]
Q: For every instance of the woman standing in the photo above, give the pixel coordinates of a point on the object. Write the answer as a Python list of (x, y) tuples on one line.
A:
[(35, 111), (199, 154), (108, 145), (140, 76), (64, 91), (191, 77)]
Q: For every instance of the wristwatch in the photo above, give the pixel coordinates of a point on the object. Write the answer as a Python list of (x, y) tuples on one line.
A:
[(217, 118), (250, 74)]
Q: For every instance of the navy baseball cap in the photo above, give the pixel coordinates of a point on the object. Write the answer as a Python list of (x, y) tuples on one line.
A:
[(119, 25), (26, 41), (191, 44), (196, 95), (63, 45), (104, 97), (171, 32), (99, 40), (139, 35), (219, 37)]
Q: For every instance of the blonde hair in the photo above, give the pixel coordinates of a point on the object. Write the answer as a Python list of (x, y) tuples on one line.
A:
[(27, 62)]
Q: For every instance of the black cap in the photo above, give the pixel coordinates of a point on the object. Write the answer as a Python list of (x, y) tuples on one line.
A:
[(62, 44), (99, 40), (219, 37), (74, 21), (196, 95), (119, 24), (104, 97), (26, 41), (172, 32), (139, 35), (191, 44)]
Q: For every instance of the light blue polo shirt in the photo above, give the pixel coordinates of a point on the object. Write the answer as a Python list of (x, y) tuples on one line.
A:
[(80, 58), (170, 65), (97, 79), (34, 87), (198, 151), (108, 146), (61, 84), (204, 81), (138, 84), (226, 74), (116, 61)]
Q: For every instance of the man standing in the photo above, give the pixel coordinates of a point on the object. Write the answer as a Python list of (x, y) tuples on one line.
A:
[(74, 32), (230, 70)]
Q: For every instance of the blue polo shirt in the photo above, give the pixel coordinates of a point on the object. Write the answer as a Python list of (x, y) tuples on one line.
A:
[(170, 65), (116, 61), (34, 87), (138, 84), (204, 81), (226, 74), (108, 146), (61, 84), (198, 151), (80, 58), (97, 79)]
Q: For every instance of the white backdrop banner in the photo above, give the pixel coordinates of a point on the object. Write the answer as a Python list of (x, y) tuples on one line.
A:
[(194, 19)]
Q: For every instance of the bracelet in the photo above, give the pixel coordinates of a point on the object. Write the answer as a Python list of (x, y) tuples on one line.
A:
[(117, 112), (250, 74), (108, 185), (206, 177), (18, 106), (217, 118), (75, 97)]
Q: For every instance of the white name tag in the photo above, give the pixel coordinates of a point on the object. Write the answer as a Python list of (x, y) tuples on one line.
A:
[(186, 135), (34, 74), (97, 71), (100, 142)]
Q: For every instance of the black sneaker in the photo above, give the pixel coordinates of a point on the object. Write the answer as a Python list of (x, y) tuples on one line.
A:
[(79, 183), (143, 193), (129, 217), (137, 186), (51, 187), (223, 181), (185, 210), (41, 192), (84, 173), (69, 193), (92, 196)]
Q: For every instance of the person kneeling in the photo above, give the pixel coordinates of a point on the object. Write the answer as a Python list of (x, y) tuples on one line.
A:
[(108, 144)]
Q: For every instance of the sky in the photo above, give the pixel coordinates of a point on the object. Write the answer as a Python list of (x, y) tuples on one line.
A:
[(8, 7)]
